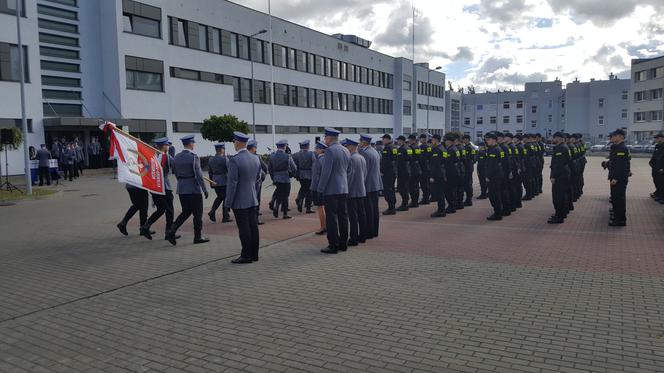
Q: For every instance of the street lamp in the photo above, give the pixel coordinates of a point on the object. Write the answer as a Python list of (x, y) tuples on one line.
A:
[(429, 93), (253, 99)]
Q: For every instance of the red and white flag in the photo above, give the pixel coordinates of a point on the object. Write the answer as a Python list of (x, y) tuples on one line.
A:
[(138, 163)]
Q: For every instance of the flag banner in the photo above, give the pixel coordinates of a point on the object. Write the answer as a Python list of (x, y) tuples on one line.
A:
[(138, 162)]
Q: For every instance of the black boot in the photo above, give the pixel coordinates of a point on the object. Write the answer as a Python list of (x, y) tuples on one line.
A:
[(122, 226), (198, 238), (213, 218), (145, 232)]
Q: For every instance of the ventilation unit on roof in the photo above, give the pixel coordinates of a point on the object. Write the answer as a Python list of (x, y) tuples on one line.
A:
[(353, 39)]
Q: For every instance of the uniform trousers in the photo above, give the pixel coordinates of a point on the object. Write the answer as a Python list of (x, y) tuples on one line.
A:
[(481, 176), (139, 203), (388, 191), (506, 196), (450, 192), (658, 180), (304, 194), (425, 186), (357, 220), (414, 188), (164, 204), (336, 220), (438, 193), (402, 188), (495, 189), (516, 191), (44, 174), (619, 200), (220, 191), (559, 194), (468, 184), (192, 204), (247, 225), (372, 214), (281, 194)]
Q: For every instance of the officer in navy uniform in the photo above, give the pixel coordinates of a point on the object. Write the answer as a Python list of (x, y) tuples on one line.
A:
[(415, 171), (164, 203), (217, 171), (437, 176), (251, 148), (244, 173), (506, 163), (515, 181), (191, 189), (304, 160), (425, 157), (333, 184), (373, 185), (317, 196), (452, 171), (495, 174), (469, 169), (388, 173), (281, 168), (462, 155), (357, 194), (44, 156), (656, 163), (560, 179), (481, 170), (404, 156), (619, 173)]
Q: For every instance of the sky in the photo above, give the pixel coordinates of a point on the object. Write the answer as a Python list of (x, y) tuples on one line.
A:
[(495, 44)]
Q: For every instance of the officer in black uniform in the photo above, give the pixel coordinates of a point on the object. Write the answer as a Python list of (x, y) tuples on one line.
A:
[(415, 171), (495, 174), (540, 161), (529, 167), (514, 181), (506, 163), (521, 159), (469, 169), (425, 157), (462, 155), (436, 168), (619, 173), (404, 155), (560, 178), (388, 173), (452, 172), (481, 170), (657, 165)]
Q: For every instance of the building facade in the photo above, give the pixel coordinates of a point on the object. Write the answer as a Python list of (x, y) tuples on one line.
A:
[(646, 102), (160, 67)]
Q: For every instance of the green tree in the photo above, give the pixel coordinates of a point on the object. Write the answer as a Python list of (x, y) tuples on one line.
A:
[(221, 128), (17, 140)]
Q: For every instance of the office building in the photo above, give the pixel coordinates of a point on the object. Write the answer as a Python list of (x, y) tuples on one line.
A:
[(646, 102)]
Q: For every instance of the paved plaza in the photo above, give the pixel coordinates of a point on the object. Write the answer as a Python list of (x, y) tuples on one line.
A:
[(457, 294)]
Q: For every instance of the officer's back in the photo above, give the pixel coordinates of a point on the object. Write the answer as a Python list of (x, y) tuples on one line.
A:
[(186, 167), (218, 166), (279, 166)]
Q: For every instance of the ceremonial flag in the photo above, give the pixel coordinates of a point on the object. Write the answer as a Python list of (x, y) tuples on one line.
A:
[(138, 162)]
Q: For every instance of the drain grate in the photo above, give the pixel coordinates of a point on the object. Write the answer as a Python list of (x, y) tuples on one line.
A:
[(89, 195), (2, 204)]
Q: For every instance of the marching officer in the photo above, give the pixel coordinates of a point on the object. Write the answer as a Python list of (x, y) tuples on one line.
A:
[(469, 169), (164, 203), (191, 189), (251, 148), (333, 185), (217, 171), (304, 160), (281, 168), (506, 163), (317, 196), (657, 164), (495, 175), (415, 171), (244, 172), (619, 173), (139, 203), (357, 194), (481, 170), (425, 157), (560, 178), (461, 164), (514, 183), (437, 176), (388, 173), (404, 155), (373, 185), (452, 172)]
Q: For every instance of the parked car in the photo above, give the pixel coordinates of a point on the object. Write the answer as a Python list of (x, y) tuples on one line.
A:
[(600, 147)]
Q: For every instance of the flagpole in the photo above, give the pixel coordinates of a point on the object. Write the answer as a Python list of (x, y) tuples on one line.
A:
[(24, 121)]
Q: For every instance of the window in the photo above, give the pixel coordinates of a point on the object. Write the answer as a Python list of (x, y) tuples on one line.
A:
[(302, 99), (344, 71), (242, 46), (144, 74), (550, 118), (639, 96), (245, 90), (187, 127), (640, 116), (61, 82), (328, 67), (56, 12), (61, 110), (182, 34), (9, 7), (10, 69), (60, 66), (237, 91), (320, 99), (658, 72), (480, 120), (640, 76), (479, 134), (533, 109), (519, 118), (328, 100), (623, 114), (56, 39), (533, 123), (656, 94), (61, 95), (202, 37), (58, 26), (492, 120), (291, 59), (60, 53), (480, 107), (256, 52), (519, 104), (215, 40), (65, 2), (142, 26), (280, 94), (600, 120), (550, 104), (656, 115), (292, 95), (336, 101), (260, 92), (506, 105), (336, 66), (407, 109), (301, 60), (600, 103), (506, 119), (624, 95), (466, 121), (311, 64), (407, 84), (233, 46), (320, 65), (312, 98), (279, 55)]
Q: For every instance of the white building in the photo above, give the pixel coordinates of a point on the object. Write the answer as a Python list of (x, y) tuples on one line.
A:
[(160, 67), (647, 102)]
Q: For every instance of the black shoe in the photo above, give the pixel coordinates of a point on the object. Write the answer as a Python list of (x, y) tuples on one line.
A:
[(571, 208), (507, 213), (260, 222), (614, 223), (170, 237), (390, 212), (201, 240), (459, 206), (271, 205), (321, 232), (363, 240), (494, 217), (275, 213), (287, 217), (343, 248), (413, 205), (226, 219), (482, 197), (255, 259), (424, 202), (212, 217), (526, 198), (310, 211), (351, 243), (241, 260), (555, 220), (468, 203), (146, 233), (450, 210), (299, 205), (329, 250), (123, 229), (402, 208), (438, 214)]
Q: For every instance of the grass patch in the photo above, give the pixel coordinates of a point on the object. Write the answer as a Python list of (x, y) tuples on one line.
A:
[(16, 195)]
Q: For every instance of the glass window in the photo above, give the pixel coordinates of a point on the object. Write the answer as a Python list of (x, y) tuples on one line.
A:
[(291, 58), (58, 26), (216, 41), (480, 107), (246, 90), (61, 110), (320, 99), (407, 109), (492, 120), (182, 33), (59, 81), (56, 12), (61, 95), (336, 67), (519, 104), (142, 80), (328, 67), (233, 50), (311, 63), (12, 71), (506, 105), (237, 92), (202, 37), (344, 71), (57, 52), (519, 118), (351, 72), (56, 39), (600, 120), (480, 120), (65, 2), (533, 123), (302, 99), (280, 94), (550, 118), (320, 65), (292, 95), (533, 109), (312, 98), (328, 100), (11, 7), (142, 26), (506, 119), (301, 60), (60, 66), (257, 50), (243, 47), (185, 73)]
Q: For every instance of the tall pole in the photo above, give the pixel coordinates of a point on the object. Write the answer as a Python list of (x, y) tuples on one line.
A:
[(24, 120), (253, 100), (272, 93), (413, 105), (427, 93)]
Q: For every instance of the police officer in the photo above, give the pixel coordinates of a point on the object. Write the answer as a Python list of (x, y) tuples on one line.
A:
[(357, 194), (304, 160), (424, 158), (514, 183), (560, 178), (251, 148), (452, 162), (657, 165), (462, 155), (139, 203), (415, 171), (217, 171), (333, 184), (244, 172), (619, 173), (495, 175), (191, 189), (69, 160), (506, 163), (583, 148), (403, 160), (56, 148), (574, 165), (317, 196), (281, 168), (388, 173), (540, 162), (437, 176), (164, 203), (43, 157), (481, 170), (530, 162), (373, 185), (469, 169)]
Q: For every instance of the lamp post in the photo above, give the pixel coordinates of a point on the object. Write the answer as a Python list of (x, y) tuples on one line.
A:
[(253, 98), (24, 121), (429, 93)]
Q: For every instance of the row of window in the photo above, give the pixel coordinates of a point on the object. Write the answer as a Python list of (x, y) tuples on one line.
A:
[(649, 116), (506, 120), (652, 94), (430, 107), (241, 86), (62, 110), (10, 68), (195, 127), (9, 7), (430, 89), (57, 12), (290, 95), (654, 73)]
